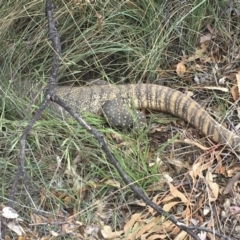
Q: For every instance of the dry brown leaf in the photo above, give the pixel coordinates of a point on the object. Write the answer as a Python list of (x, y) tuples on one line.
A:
[(19, 238), (175, 231), (167, 198), (187, 213), (195, 171), (238, 79), (174, 191), (235, 89), (167, 207), (206, 37), (159, 201), (199, 52), (233, 169), (210, 29), (36, 219), (209, 36), (206, 60), (131, 235), (165, 227), (71, 226), (148, 228), (219, 168), (213, 186), (113, 183), (157, 236), (67, 200), (234, 92), (199, 67), (210, 225), (155, 227), (181, 236), (135, 217), (15, 227), (181, 68), (109, 234), (198, 168), (231, 76)]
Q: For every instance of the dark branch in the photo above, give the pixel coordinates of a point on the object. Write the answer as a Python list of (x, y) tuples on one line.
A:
[(53, 35)]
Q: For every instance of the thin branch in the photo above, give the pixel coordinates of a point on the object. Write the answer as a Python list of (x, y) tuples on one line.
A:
[(53, 35)]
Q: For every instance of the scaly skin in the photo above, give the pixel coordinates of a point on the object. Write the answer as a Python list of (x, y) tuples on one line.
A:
[(149, 96)]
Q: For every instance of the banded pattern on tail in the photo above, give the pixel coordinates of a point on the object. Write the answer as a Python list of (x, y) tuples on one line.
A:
[(153, 97)]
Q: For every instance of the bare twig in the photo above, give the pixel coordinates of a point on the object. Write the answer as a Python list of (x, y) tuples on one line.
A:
[(53, 35)]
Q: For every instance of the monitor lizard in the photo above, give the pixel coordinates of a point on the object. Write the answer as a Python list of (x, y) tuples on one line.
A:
[(113, 101)]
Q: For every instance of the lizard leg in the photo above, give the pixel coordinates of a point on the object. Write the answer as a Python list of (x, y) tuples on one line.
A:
[(118, 114)]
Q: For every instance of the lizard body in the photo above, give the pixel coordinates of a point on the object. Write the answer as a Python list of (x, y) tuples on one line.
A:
[(94, 99)]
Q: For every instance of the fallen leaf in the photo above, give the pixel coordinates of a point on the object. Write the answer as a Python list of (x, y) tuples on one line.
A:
[(113, 183), (181, 235), (199, 52), (174, 191), (181, 68), (9, 213), (231, 76), (130, 223), (148, 228), (213, 186), (234, 92), (15, 227), (109, 234), (235, 89), (206, 37), (167, 207), (157, 236)]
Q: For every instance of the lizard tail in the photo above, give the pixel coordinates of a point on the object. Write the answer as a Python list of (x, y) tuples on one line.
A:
[(160, 98)]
